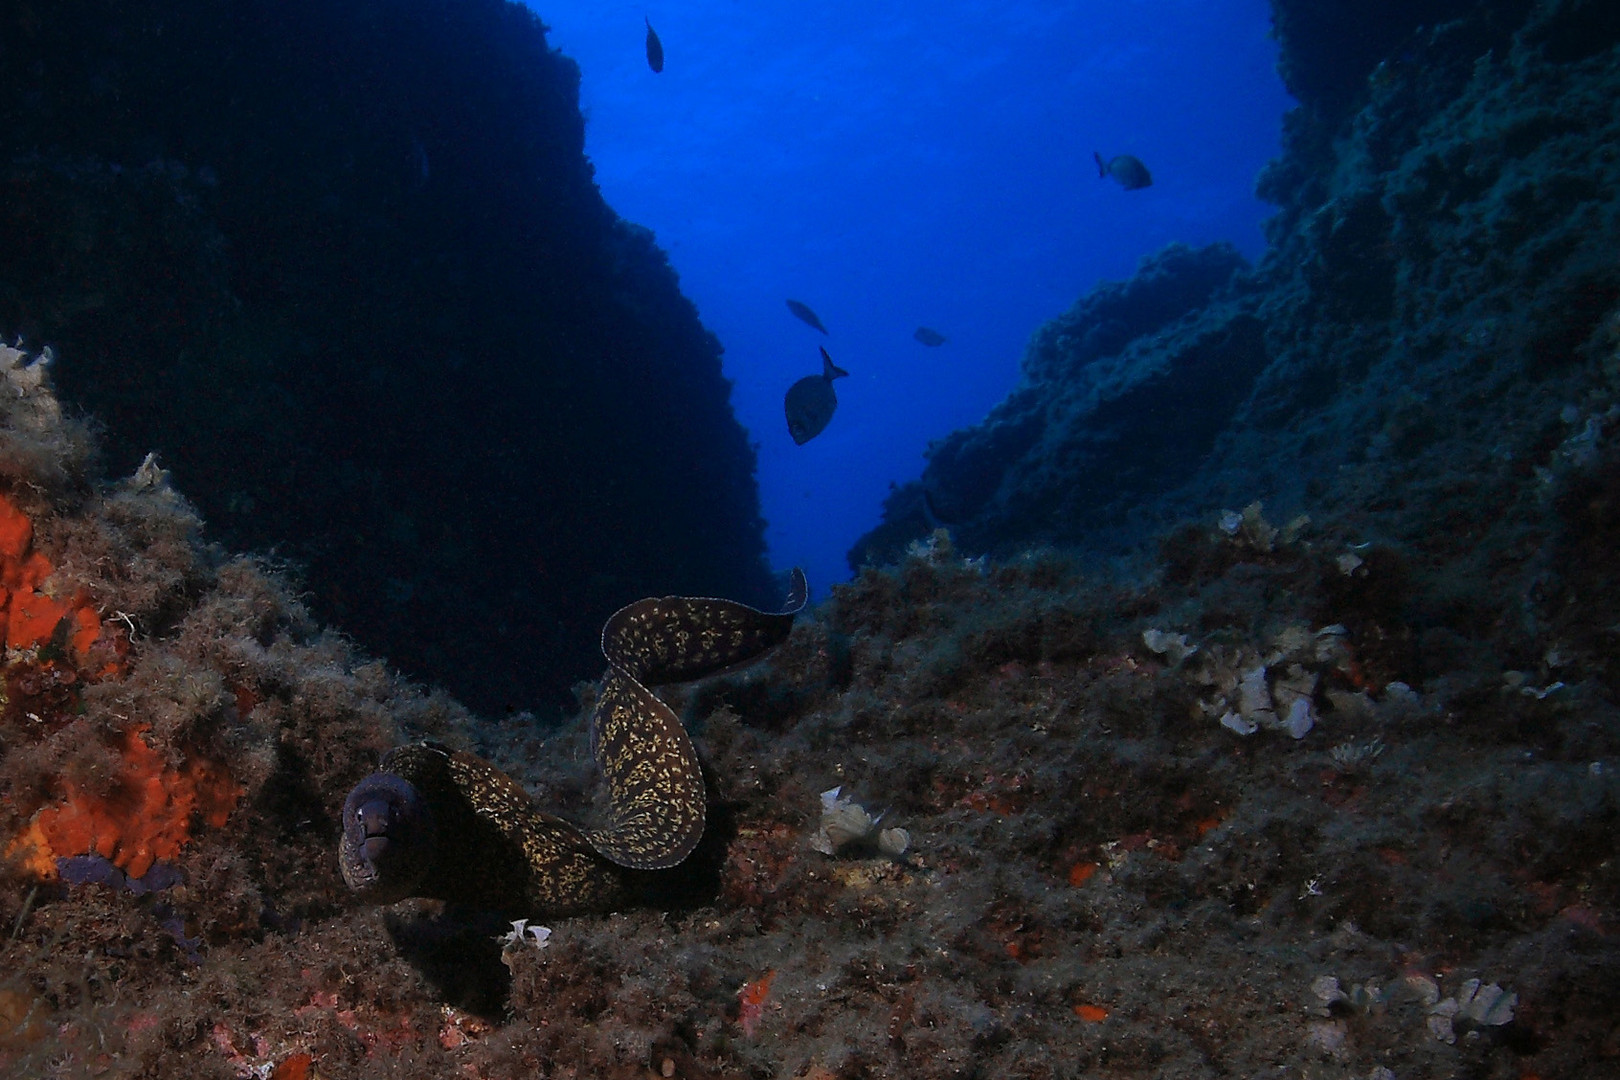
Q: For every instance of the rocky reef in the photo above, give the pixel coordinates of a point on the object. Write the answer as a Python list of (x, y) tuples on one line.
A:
[(1323, 789), (343, 265), (970, 818), (1425, 355)]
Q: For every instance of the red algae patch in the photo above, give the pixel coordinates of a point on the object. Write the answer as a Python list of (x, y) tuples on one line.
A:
[(751, 1001), (294, 1067)]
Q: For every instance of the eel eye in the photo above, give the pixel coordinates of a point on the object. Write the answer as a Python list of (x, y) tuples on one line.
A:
[(374, 816)]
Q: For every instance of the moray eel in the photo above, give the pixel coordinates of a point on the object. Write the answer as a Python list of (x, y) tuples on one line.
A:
[(445, 824)]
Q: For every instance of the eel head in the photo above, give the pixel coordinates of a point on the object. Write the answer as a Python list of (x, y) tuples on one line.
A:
[(388, 839)]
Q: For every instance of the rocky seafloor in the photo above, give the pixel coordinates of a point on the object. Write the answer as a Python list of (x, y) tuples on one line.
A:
[(1230, 817)]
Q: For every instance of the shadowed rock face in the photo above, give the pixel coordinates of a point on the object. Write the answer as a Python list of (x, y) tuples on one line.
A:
[(1427, 351), (1327, 48), (1121, 398), (345, 267)]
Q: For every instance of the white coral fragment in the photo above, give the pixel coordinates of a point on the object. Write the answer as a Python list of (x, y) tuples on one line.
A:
[(1236, 722), (1487, 1005), (28, 382), (537, 937), (1276, 690), (149, 474), (1301, 718), (1294, 683), (1330, 646), (1256, 531), (1478, 1004), (1425, 989), (1439, 1020), (25, 377), (1254, 698), (1173, 647), (845, 823), (1326, 989)]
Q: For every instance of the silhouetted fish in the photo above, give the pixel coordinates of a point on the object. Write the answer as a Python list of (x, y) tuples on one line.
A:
[(929, 336), (655, 48), (1128, 170), (810, 402), (803, 311)]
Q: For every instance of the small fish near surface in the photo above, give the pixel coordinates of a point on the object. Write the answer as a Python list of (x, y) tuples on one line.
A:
[(929, 336), (655, 48), (804, 313), (810, 402), (1127, 170)]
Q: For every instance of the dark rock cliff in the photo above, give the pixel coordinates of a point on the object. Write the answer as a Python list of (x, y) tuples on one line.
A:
[(1426, 355), (344, 267)]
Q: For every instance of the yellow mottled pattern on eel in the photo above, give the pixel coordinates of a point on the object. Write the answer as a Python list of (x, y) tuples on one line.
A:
[(655, 786), (443, 823)]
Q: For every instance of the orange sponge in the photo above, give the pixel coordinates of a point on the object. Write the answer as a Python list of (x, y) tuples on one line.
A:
[(31, 617), (147, 815), (16, 531)]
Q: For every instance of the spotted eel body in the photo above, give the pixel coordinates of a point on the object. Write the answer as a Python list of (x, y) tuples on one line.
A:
[(443, 823)]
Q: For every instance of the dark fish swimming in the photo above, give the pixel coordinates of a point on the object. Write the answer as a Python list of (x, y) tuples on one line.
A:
[(803, 311), (929, 336), (1127, 170), (810, 402), (655, 48)]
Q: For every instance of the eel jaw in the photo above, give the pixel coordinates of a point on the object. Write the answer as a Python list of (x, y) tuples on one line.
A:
[(388, 839)]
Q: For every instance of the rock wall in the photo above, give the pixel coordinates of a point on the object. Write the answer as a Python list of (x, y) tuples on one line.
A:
[(1064, 452), (1425, 356), (344, 267)]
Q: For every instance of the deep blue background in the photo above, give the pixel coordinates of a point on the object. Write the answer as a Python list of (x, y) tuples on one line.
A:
[(896, 164)]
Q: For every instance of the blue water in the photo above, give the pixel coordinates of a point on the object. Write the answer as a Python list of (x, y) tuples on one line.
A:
[(896, 164)]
